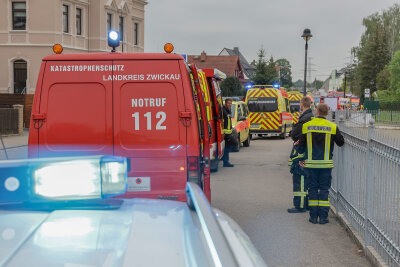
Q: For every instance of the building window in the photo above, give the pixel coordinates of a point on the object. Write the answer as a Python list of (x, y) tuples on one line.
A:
[(78, 21), (136, 33), (19, 15), (109, 22), (121, 28), (65, 18), (20, 75)]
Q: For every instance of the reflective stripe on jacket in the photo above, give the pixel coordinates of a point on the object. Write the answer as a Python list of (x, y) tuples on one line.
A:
[(227, 120), (317, 139)]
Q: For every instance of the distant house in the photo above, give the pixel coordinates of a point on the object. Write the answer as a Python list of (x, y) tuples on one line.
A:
[(248, 69), (230, 65), (336, 80)]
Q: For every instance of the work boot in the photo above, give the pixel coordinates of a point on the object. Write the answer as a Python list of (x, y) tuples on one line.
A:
[(296, 210), (313, 220), (323, 220), (228, 164)]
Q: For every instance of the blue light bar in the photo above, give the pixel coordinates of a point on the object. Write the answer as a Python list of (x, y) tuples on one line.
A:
[(276, 85), (62, 179)]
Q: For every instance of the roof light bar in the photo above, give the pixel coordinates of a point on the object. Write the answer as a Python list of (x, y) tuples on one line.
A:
[(62, 179)]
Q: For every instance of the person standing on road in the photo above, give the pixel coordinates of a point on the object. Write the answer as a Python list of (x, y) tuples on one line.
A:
[(317, 142), (300, 184), (228, 132)]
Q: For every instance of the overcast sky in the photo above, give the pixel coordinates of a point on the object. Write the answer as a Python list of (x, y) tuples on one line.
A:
[(211, 25)]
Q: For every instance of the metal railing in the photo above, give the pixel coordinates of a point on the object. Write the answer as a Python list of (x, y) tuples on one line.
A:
[(366, 184)]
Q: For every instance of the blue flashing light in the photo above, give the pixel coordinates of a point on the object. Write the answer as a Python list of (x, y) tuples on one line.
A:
[(185, 57), (276, 85), (113, 39), (248, 86), (53, 180)]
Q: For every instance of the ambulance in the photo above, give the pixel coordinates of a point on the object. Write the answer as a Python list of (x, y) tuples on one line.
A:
[(294, 103), (269, 111), (215, 116), (143, 106)]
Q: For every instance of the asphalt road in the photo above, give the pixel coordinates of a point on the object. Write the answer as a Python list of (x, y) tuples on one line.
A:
[(256, 194)]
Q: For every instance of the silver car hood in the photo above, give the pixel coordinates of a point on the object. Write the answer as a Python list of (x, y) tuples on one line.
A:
[(141, 232)]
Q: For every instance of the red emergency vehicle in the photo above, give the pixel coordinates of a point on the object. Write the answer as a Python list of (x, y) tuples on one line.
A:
[(217, 138), (142, 106)]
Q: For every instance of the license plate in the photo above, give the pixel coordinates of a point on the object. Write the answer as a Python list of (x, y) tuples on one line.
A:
[(255, 125)]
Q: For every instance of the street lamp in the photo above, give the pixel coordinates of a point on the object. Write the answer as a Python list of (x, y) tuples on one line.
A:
[(306, 36)]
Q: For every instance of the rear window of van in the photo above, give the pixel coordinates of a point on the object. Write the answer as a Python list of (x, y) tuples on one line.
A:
[(262, 104)]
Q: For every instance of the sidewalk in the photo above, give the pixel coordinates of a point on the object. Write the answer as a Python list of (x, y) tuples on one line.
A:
[(16, 146), (256, 194)]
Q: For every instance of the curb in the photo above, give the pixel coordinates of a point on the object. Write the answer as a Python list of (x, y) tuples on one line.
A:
[(372, 255)]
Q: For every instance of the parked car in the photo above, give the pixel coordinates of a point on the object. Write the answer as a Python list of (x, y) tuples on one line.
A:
[(58, 212)]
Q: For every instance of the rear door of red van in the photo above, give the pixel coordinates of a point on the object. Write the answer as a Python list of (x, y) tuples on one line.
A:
[(74, 113), (148, 99)]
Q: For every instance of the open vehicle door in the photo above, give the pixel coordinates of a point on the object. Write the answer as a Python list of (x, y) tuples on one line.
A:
[(205, 138)]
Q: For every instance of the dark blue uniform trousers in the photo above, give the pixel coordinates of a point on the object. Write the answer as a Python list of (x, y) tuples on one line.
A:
[(318, 191)]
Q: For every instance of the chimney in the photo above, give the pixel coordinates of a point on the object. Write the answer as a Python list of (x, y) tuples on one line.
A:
[(203, 56), (236, 50)]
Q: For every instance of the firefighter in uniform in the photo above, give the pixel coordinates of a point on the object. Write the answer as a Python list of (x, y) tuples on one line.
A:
[(227, 132), (317, 141), (300, 182)]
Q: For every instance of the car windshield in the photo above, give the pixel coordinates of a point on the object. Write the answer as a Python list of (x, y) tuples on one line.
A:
[(233, 110), (262, 104), (294, 106)]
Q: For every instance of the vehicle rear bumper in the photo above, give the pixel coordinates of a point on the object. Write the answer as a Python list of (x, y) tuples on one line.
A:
[(266, 131)]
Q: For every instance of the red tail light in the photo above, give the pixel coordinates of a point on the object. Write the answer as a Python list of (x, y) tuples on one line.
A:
[(280, 118), (193, 169)]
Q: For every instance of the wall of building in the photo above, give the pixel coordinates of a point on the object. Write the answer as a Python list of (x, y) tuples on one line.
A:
[(44, 28)]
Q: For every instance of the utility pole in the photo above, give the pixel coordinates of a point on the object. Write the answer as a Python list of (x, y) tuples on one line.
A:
[(309, 69), (345, 80)]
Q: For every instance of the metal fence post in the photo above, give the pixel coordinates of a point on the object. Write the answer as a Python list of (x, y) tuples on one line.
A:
[(340, 168), (369, 184)]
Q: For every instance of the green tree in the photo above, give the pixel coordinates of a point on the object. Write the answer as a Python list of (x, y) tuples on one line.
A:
[(272, 73), (231, 86), (285, 72), (379, 42), (394, 70), (299, 84), (373, 53), (383, 79), (260, 74)]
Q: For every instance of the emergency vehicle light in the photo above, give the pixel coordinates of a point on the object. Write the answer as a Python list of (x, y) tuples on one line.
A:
[(276, 85), (60, 179), (168, 48), (57, 49), (113, 40)]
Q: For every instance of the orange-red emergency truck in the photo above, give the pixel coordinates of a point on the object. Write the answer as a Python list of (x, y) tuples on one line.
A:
[(142, 106), (269, 111)]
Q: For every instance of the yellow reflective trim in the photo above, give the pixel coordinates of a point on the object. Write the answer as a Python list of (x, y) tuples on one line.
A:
[(309, 143), (327, 146), (323, 205), (312, 204), (299, 194)]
